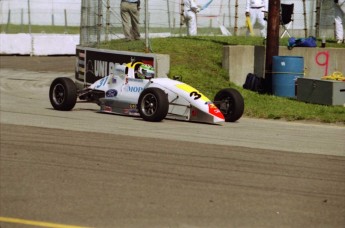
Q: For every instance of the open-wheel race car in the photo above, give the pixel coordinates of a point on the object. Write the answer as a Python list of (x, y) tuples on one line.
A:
[(139, 93)]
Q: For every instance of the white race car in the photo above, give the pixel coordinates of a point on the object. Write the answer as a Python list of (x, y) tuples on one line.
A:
[(153, 99)]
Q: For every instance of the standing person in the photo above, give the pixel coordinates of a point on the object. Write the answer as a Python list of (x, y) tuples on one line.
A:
[(339, 12), (190, 9), (256, 10), (130, 19)]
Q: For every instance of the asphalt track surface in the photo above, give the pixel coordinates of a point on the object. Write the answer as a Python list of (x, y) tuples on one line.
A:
[(83, 168)]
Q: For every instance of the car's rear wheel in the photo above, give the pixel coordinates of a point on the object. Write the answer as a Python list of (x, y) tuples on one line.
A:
[(63, 94), (153, 104), (230, 102)]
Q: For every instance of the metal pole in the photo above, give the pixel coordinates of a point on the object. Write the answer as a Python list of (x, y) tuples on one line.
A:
[(66, 24), (236, 17), (181, 15), (305, 20), (146, 27), (21, 20), (318, 17), (88, 23), (8, 20), (168, 8), (229, 8), (29, 17), (53, 22), (107, 21), (99, 22), (82, 22), (272, 44), (311, 11)]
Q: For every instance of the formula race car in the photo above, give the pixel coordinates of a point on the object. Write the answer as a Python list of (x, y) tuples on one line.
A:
[(153, 99)]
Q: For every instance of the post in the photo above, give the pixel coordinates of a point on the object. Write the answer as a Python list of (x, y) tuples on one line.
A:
[(272, 43), (236, 18), (99, 22), (53, 22), (146, 27), (8, 20), (82, 23), (88, 20), (107, 21), (318, 17), (66, 24), (169, 22), (181, 15), (305, 20), (229, 9), (29, 16), (21, 20)]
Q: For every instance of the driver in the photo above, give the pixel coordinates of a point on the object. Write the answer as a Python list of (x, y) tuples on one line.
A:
[(146, 71)]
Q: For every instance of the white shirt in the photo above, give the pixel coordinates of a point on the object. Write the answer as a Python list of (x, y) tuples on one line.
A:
[(190, 5), (257, 3)]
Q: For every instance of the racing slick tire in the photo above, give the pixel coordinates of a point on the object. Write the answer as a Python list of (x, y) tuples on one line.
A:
[(230, 102), (153, 104), (63, 94)]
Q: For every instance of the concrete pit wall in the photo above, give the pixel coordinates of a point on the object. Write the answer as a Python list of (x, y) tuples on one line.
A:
[(240, 60)]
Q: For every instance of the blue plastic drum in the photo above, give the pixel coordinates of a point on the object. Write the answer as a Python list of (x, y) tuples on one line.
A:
[(285, 71)]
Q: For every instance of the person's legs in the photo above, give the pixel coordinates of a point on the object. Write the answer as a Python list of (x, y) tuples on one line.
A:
[(262, 23), (134, 13), (187, 20), (193, 25), (190, 18), (126, 18), (338, 19)]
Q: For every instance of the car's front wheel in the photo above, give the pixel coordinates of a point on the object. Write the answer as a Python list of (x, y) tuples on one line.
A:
[(63, 94), (153, 104), (230, 102)]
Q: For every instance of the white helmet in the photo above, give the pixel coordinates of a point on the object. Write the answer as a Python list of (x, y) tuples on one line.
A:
[(146, 71)]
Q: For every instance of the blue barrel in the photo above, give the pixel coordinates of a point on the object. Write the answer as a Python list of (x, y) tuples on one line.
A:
[(285, 71)]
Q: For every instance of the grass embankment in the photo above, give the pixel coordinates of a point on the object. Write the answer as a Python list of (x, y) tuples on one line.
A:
[(199, 61)]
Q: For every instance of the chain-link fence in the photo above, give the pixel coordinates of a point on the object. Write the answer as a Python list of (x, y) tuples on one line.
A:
[(100, 20), (39, 16)]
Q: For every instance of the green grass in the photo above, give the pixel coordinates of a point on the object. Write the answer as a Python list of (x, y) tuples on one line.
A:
[(13, 29), (199, 61)]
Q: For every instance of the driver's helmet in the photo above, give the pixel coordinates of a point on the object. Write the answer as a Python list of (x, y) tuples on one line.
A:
[(146, 71)]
